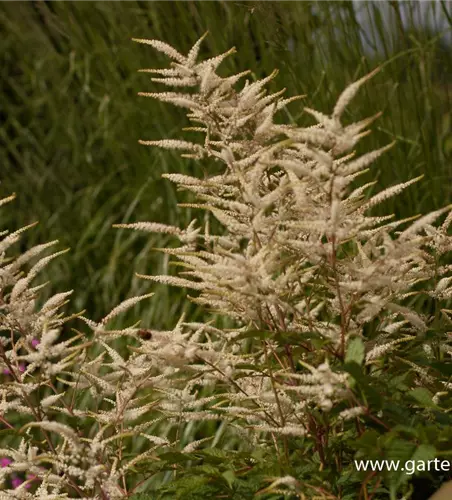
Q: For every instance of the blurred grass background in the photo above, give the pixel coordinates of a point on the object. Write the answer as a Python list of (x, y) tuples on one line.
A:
[(70, 118)]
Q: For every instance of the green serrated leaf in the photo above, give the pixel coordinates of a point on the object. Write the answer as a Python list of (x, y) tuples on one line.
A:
[(424, 453)]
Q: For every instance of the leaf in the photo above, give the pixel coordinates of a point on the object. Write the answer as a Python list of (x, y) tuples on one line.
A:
[(373, 397), (229, 475), (369, 440), (254, 334), (354, 369), (400, 449), (424, 453), (406, 429), (423, 397), (355, 351), (409, 457), (445, 368), (212, 455), (173, 457)]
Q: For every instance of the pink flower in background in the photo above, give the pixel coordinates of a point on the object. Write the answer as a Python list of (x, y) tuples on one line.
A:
[(5, 461), (7, 371), (16, 482), (35, 343), (30, 478)]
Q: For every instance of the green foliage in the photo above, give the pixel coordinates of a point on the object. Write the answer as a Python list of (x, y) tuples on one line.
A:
[(215, 473)]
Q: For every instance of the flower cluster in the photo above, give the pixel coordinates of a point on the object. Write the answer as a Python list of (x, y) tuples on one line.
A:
[(300, 261), (317, 291), (43, 377)]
